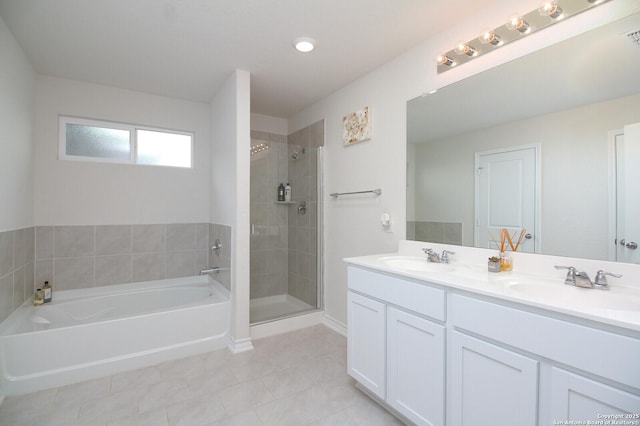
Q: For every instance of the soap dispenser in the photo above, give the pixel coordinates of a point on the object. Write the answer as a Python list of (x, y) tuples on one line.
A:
[(287, 192), (281, 192), (47, 292)]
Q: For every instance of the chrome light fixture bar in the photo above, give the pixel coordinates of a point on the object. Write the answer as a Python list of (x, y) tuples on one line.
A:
[(519, 26)]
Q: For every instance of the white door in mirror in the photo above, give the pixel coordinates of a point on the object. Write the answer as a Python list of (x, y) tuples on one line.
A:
[(628, 176), (506, 195)]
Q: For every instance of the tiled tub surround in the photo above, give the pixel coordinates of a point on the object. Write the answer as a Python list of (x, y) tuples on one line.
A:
[(436, 232), (16, 269), (73, 257)]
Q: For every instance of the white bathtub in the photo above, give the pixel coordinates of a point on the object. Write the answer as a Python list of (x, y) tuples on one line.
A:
[(93, 332)]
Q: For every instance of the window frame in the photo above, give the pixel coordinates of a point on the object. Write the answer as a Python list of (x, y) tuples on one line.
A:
[(63, 120)]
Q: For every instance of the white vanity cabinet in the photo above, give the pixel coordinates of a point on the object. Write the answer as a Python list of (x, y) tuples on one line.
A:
[(503, 363), (490, 384), (415, 367), (539, 342), (395, 348), (367, 343), (576, 397)]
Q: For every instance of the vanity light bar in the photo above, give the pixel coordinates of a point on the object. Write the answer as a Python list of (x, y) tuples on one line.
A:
[(518, 26)]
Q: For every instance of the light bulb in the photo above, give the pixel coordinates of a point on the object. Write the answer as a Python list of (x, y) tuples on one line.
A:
[(490, 37), (464, 49), (551, 9), (445, 60), (518, 24)]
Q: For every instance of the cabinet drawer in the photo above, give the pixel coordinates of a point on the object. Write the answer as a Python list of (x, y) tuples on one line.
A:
[(407, 294), (600, 352)]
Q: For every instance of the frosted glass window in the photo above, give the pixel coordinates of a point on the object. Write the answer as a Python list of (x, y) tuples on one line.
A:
[(101, 142), (163, 149)]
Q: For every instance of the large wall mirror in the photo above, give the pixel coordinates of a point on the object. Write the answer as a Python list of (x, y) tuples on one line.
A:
[(557, 129)]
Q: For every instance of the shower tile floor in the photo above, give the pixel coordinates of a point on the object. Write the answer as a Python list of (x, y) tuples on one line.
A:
[(272, 307), (297, 378)]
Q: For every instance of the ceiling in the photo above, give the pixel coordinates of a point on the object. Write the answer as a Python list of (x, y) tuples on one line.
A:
[(187, 48)]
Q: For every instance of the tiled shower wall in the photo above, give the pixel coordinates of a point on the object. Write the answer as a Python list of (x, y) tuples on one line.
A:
[(269, 220), (303, 229), (16, 269), (86, 256), (284, 242)]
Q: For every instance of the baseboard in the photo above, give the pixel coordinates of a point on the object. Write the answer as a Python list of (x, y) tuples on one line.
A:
[(335, 325), (242, 345)]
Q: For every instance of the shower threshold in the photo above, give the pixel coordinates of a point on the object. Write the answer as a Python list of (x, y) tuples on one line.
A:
[(263, 309)]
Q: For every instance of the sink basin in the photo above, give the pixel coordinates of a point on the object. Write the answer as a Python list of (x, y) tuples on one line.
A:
[(617, 299), (416, 264)]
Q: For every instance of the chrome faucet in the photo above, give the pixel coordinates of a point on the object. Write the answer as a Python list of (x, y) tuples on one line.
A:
[(601, 279), (214, 270), (581, 278), (432, 256)]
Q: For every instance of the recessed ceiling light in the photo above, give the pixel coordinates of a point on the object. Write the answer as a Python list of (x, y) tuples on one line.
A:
[(304, 44)]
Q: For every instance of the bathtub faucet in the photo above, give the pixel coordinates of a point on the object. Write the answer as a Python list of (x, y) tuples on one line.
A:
[(214, 270)]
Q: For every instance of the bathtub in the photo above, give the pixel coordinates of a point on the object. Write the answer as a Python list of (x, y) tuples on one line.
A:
[(88, 333)]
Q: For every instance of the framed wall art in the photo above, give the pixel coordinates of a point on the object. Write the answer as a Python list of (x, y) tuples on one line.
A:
[(356, 127)]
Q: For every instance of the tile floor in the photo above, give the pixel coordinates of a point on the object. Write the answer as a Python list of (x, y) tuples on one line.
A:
[(297, 378)]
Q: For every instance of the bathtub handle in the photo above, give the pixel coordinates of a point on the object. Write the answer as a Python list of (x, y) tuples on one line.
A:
[(214, 270), (217, 246)]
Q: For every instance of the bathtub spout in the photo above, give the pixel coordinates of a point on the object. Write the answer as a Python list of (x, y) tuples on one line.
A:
[(214, 270)]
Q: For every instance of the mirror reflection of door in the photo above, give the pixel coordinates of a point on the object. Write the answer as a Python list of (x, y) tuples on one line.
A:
[(506, 195), (628, 194)]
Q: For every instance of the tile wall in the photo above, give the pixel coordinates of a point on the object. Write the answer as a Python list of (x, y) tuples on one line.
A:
[(435, 232), (303, 229), (86, 256), (269, 220), (284, 242), (16, 269)]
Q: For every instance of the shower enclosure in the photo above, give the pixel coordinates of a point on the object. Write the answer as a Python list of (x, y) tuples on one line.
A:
[(285, 235)]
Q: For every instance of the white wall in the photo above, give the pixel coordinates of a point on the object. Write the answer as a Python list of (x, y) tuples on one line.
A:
[(269, 124), (17, 80), (83, 193), (230, 185), (352, 224)]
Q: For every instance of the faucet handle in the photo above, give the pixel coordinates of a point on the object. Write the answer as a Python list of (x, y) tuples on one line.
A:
[(601, 279), (445, 255), (570, 279)]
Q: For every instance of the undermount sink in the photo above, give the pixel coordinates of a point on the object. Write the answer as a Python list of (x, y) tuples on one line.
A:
[(618, 299), (415, 263)]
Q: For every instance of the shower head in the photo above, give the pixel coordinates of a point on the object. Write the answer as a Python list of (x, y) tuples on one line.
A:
[(296, 154)]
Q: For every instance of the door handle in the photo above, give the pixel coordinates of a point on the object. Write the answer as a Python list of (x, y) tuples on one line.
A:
[(528, 236), (632, 245)]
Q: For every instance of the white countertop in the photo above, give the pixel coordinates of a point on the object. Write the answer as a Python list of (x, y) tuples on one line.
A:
[(619, 306)]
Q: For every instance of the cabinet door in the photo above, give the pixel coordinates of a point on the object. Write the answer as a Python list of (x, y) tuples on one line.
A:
[(577, 398), (490, 385), (415, 367), (366, 342)]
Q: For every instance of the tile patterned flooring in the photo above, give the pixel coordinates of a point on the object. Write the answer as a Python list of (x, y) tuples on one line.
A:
[(297, 378)]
